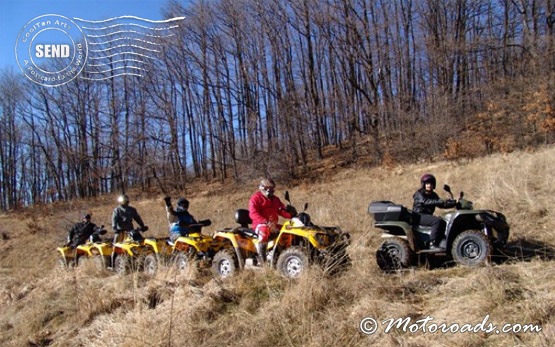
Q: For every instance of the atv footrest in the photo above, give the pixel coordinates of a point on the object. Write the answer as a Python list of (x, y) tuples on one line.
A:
[(245, 232), (433, 251)]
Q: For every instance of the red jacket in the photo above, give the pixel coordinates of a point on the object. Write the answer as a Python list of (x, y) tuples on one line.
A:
[(263, 209)]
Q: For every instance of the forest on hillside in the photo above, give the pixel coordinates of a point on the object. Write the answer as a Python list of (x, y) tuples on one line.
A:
[(250, 87)]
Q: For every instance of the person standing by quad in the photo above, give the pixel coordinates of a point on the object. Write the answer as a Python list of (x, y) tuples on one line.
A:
[(180, 219), (425, 202), (123, 217), (80, 232), (264, 211)]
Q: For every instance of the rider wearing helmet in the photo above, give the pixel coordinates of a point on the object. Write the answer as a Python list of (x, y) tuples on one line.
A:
[(80, 232), (180, 218), (425, 202), (123, 217), (264, 211)]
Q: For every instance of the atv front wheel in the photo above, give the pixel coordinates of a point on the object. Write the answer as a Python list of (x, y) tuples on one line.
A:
[(150, 264), (394, 254), (224, 263), (336, 262), (293, 262), (471, 248)]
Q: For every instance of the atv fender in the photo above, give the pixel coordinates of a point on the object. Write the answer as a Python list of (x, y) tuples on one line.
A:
[(400, 229)]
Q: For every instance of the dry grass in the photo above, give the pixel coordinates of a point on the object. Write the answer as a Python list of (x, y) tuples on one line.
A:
[(42, 305)]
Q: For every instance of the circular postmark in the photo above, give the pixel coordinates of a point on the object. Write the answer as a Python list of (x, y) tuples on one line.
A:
[(51, 50)]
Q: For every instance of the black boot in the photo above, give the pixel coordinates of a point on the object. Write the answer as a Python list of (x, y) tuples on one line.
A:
[(261, 250)]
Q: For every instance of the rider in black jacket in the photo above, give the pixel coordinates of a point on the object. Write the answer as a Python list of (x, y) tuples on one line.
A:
[(80, 232), (425, 203), (123, 217)]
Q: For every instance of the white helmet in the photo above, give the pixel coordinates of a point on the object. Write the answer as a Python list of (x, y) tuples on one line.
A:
[(123, 199)]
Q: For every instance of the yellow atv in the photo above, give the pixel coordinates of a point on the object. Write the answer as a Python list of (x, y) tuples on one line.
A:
[(183, 251), (94, 249), (136, 252), (195, 247), (298, 244)]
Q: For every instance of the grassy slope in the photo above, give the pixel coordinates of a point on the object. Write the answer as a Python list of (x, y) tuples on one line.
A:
[(41, 305)]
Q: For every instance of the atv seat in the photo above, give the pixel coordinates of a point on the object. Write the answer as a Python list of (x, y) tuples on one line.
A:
[(242, 217)]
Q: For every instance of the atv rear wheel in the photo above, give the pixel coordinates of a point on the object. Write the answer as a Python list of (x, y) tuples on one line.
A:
[(122, 264), (292, 263), (101, 261), (82, 260), (471, 248), (183, 262), (224, 263), (150, 264), (65, 263), (394, 254)]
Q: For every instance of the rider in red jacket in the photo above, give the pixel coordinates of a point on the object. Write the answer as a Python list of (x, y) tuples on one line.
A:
[(264, 211)]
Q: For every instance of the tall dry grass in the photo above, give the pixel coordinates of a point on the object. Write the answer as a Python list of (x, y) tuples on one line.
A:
[(42, 305)]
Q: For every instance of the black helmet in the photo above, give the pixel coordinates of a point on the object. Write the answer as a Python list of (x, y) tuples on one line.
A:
[(183, 202), (87, 217), (428, 178), (123, 199)]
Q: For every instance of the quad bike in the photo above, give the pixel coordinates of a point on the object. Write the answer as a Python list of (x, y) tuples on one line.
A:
[(471, 236), (137, 252), (194, 247), (298, 244), (94, 249)]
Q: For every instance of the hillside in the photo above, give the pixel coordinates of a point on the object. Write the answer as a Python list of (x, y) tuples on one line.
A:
[(42, 305)]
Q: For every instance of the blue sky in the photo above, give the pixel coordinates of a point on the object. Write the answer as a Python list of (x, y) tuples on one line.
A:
[(16, 14)]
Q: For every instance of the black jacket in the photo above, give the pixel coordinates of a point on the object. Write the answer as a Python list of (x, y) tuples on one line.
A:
[(426, 203), (123, 217), (80, 232)]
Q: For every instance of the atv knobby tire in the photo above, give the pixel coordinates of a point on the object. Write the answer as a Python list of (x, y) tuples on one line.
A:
[(471, 248), (394, 254), (65, 263), (225, 263), (292, 263), (183, 262), (122, 264), (101, 262), (150, 265), (82, 260), (336, 262)]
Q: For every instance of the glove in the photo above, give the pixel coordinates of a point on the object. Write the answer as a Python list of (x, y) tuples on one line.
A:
[(291, 210), (451, 203), (205, 222), (168, 201)]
